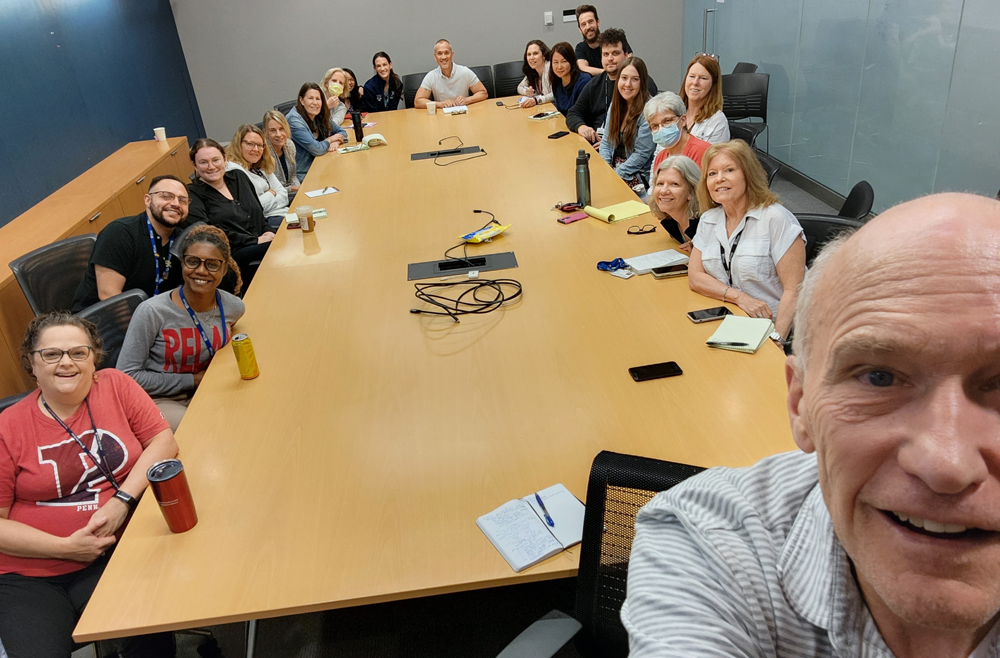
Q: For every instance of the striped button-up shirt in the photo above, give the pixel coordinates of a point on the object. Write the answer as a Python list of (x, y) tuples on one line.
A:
[(744, 562)]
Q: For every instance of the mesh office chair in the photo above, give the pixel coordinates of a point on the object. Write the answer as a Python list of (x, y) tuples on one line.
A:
[(49, 275), (506, 78), (859, 201), (619, 486), (112, 316), (820, 229), (411, 83), (744, 96), (285, 107), (745, 67), (485, 75)]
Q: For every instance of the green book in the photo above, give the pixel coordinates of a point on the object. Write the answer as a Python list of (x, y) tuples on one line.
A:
[(741, 334)]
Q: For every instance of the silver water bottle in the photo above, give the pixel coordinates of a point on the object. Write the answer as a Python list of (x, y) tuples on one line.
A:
[(583, 178)]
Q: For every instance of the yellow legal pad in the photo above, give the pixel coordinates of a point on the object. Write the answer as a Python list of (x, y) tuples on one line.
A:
[(618, 212)]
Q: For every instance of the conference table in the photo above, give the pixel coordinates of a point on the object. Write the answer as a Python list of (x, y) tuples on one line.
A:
[(352, 470)]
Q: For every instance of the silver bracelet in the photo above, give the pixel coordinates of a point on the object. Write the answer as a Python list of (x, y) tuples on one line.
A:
[(724, 293)]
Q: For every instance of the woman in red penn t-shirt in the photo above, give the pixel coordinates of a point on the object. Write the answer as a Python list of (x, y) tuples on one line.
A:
[(73, 461)]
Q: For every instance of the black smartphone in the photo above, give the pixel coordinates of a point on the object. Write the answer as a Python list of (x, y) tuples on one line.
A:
[(708, 314), (561, 133), (499, 103), (539, 115), (669, 271), (655, 371)]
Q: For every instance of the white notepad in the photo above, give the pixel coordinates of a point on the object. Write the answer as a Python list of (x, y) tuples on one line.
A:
[(519, 531), (322, 192), (645, 263)]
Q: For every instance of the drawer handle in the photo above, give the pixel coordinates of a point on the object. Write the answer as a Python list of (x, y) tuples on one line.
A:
[(95, 216), (140, 180), (174, 153)]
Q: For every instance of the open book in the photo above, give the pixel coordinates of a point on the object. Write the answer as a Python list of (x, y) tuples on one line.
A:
[(369, 141), (644, 264), (741, 334), (520, 532)]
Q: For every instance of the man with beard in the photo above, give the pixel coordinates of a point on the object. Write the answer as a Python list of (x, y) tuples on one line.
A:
[(134, 252), (588, 113), (588, 51)]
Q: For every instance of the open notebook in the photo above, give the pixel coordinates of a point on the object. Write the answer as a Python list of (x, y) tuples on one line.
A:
[(618, 212), (741, 334), (519, 531)]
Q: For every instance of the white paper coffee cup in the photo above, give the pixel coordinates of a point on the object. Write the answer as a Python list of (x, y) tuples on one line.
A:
[(431, 107), (160, 134)]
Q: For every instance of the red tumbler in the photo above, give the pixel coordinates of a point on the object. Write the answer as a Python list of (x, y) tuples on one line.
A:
[(170, 486)]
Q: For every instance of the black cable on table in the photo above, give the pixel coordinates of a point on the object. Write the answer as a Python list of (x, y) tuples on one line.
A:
[(469, 301)]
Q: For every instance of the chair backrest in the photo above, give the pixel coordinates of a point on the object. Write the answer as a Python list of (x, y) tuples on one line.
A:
[(619, 486), (745, 131), (11, 400), (744, 95), (285, 107), (770, 165), (506, 78), (50, 275), (112, 316), (820, 229), (485, 75), (411, 83), (745, 67), (859, 202)]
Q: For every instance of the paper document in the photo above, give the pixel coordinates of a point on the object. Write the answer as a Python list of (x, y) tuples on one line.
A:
[(322, 192), (645, 263), (618, 212)]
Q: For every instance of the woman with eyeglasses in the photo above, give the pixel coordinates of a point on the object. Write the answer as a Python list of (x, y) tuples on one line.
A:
[(73, 460), (666, 115), (172, 338), (701, 92), (248, 152), (228, 199)]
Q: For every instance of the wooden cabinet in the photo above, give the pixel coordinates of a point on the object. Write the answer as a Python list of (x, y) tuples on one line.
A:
[(113, 188)]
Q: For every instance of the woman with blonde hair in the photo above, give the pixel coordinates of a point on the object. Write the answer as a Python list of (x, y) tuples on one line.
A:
[(248, 152), (172, 338), (628, 144), (282, 149), (334, 86), (749, 249), (674, 198), (701, 92)]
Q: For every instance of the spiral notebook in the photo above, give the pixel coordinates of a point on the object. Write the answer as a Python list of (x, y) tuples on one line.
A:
[(741, 334)]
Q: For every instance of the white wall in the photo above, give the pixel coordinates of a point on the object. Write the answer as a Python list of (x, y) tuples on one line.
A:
[(246, 55)]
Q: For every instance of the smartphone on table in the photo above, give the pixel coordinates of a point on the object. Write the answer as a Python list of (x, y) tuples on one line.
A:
[(655, 371), (669, 271), (708, 314)]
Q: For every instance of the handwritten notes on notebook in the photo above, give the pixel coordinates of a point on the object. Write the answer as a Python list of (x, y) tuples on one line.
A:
[(518, 530)]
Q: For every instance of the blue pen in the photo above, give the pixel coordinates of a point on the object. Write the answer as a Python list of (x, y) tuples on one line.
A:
[(548, 519)]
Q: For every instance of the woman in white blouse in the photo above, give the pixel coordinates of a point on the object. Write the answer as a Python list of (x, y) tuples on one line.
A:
[(248, 152), (702, 94), (535, 88), (749, 249)]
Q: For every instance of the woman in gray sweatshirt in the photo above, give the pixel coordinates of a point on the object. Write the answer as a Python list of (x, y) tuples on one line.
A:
[(172, 337)]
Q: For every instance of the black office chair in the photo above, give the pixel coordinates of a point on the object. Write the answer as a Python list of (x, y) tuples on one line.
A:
[(770, 165), (744, 131), (485, 75), (859, 201), (506, 78), (745, 67), (619, 486), (49, 275), (285, 107), (820, 229), (411, 83), (112, 316), (10, 400), (744, 96)]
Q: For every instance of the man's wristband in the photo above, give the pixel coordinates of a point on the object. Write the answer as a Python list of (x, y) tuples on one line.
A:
[(131, 502)]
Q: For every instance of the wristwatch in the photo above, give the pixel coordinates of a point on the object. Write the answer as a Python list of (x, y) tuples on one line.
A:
[(127, 499)]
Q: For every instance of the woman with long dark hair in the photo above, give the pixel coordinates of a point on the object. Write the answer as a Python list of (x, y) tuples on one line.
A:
[(628, 143), (311, 130), (565, 76), (535, 88), (384, 89)]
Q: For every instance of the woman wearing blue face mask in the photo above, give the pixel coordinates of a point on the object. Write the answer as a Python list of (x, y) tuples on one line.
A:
[(665, 113)]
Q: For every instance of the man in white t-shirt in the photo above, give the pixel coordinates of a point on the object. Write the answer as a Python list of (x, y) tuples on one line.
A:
[(451, 84)]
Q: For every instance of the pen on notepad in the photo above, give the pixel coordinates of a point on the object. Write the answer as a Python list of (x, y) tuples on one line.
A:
[(548, 519), (729, 344)]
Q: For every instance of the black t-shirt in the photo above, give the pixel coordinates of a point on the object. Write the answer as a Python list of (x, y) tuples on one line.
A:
[(593, 55), (671, 226), (241, 218), (123, 246)]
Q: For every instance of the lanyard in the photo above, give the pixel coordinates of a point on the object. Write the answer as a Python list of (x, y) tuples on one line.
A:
[(101, 464), (197, 322), (156, 257), (726, 265)]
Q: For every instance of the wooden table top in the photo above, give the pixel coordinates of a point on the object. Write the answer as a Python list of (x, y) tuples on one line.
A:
[(353, 469)]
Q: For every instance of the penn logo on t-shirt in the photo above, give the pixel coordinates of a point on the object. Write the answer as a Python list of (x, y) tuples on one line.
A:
[(78, 482)]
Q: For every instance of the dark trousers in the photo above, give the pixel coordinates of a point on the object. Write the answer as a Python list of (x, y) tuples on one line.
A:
[(37, 616), (248, 258)]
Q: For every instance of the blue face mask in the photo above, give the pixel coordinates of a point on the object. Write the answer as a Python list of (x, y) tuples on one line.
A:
[(667, 136)]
